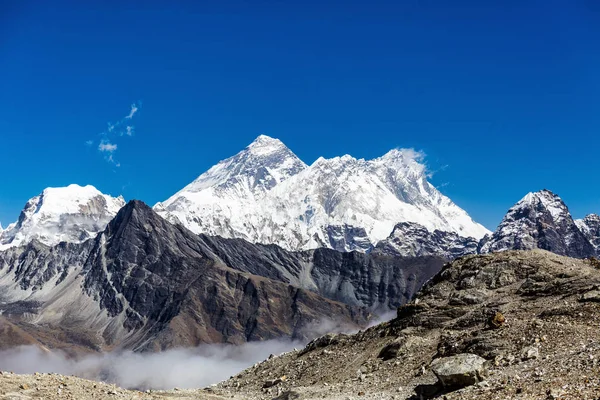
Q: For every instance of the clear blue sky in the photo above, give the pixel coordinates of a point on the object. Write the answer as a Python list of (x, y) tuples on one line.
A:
[(503, 97)]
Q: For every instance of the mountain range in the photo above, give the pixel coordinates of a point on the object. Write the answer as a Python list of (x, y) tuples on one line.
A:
[(266, 194), (259, 246)]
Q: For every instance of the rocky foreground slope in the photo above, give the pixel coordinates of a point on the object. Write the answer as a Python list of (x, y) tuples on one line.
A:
[(527, 320), (532, 317)]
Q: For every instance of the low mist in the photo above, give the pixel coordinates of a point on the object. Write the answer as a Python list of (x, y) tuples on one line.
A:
[(184, 368)]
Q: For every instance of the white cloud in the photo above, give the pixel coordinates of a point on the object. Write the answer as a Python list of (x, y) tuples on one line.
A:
[(132, 112), (110, 137), (107, 146)]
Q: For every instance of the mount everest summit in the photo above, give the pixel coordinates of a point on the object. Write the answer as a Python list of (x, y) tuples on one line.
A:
[(266, 194)]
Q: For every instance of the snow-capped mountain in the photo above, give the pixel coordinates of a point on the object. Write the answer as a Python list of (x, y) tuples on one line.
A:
[(225, 199), (67, 214), (266, 194), (590, 227), (539, 220)]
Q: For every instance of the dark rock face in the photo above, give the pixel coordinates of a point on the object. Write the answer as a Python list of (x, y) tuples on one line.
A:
[(375, 281), (347, 238), (540, 220), (411, 239), (167, 280), (36, 264), (590, 227)]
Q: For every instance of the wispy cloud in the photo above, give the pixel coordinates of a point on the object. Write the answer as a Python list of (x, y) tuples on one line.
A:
[(108, 143), (107, 146), (134, 109)]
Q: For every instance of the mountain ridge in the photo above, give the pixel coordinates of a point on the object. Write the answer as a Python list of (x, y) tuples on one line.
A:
[(341, 203)]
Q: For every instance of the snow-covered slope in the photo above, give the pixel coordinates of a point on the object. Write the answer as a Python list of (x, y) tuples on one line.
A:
[(68, 214), (266, 194), (590, 227), (539, 220), (227, 199)]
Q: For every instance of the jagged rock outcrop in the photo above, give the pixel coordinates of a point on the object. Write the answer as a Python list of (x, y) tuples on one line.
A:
[(539, 220), (411, 239), (590, 227)]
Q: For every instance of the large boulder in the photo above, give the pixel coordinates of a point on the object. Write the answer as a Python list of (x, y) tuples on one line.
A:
[(460, 370)]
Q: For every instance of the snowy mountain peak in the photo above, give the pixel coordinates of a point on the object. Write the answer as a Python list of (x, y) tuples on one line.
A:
[(265, 194), (265, 145), (232, 188), (539, 220), (541, 201), (405, 161), (260, 166), (73, 213)]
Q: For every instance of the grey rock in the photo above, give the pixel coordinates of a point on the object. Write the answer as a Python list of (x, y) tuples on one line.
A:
[(530, 353), (460, 370), (391, 351), (592, 296), (289, 395), (412, 239)]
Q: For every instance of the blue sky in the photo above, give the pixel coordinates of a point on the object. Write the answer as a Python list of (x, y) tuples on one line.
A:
[(503, 97)]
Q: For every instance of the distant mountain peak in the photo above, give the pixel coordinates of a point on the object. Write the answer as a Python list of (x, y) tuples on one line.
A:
[(539, 220), (73, 213), (265, 145)]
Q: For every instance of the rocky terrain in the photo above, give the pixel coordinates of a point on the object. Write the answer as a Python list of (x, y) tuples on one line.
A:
[(527, 320), (55, 387), (511, 325)]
